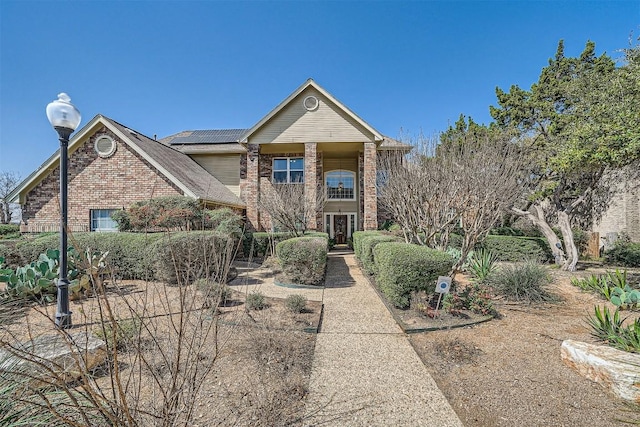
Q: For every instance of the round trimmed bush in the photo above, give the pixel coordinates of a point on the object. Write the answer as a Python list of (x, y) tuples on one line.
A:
[(296, 303), (303, 259)]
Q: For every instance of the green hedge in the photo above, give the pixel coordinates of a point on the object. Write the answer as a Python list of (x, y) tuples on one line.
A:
[(367, 244), (404, 268), (516, 249), (9, 231), (358, 236), (262, 242), (186, 256), (130, 254), (303, 259), (624, 253)]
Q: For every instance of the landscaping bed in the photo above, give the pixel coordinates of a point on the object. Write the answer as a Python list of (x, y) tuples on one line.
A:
[(509, 371), (262, 358), (412, 320)]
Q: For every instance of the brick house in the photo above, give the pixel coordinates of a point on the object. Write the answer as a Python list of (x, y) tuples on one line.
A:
[(622, 215), (309, 139)]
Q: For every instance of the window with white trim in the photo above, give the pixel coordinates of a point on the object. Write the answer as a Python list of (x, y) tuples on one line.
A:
[(288, 170), (101, 220), (340, 185)]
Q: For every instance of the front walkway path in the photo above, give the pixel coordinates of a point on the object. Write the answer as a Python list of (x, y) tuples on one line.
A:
[(365, 372)]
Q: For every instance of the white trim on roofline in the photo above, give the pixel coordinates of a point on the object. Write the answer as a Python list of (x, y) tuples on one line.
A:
[(378, 137)]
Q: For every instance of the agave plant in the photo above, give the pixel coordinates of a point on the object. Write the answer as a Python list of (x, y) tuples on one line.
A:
[(482, 263)]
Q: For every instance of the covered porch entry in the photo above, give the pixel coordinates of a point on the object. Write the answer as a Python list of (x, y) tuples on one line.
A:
[(340, 225)]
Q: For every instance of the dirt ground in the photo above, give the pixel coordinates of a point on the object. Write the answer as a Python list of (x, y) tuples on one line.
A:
[(508, 371), (261, 359), (504, 372)]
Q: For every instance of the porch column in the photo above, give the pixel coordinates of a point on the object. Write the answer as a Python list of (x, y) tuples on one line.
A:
[(370, 196), (311, 182), (253, 185)]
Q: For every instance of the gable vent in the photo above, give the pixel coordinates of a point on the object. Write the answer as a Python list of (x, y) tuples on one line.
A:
[(311, 103), (105, 146)]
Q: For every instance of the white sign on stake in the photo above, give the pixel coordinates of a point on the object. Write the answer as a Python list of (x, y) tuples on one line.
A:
[(443, 285)]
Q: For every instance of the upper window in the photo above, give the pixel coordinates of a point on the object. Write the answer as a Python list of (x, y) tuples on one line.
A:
[(288, 170), (340, 185), (101, 220)]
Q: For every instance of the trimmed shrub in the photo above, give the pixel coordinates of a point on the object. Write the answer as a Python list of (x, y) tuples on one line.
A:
[(358, 236), (367, 244), (296, 303), (223, 220), (517, 249), (130, 254), (9, 231), (624, 253), (255, 301), (183, 257), (404, 268), (522, 282), (303, 259), (263, 241)]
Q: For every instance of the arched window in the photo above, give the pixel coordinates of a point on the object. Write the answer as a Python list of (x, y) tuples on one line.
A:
[(340, 185)]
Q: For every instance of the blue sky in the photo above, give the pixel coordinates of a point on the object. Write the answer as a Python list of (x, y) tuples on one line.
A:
[(164, 66)]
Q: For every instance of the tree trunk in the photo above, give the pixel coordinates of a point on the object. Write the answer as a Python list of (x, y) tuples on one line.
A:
[(5, 213), (539, 221), (567, 236)]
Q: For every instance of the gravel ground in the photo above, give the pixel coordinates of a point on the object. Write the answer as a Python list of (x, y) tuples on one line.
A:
[(508, 371)]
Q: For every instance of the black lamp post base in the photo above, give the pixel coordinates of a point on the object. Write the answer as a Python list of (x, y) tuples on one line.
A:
[(63, 320), (63, 315)]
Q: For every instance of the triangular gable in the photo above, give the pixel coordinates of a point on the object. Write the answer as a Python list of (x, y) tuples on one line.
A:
[(127, 136), (290, 121)]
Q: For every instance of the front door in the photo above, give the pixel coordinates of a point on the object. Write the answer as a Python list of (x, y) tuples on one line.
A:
[(340, 229)]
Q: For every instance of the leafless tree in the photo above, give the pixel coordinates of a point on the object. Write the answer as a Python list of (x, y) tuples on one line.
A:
[(8, 181), (468, 182), (290, 207), (416, 190), (492, 174)]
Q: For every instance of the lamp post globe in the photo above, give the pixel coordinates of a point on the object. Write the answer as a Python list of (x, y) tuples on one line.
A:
[(65, 118)]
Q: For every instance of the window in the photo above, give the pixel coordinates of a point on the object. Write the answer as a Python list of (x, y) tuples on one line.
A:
[(101, 220), (288, 170), (340, 185)]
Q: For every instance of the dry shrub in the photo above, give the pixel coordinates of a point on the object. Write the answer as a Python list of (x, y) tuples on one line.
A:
[(280, 370), (457, 351)]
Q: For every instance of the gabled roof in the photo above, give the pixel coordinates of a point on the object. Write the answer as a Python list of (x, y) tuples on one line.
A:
[(176, 166), (310, 83), (394, 144)]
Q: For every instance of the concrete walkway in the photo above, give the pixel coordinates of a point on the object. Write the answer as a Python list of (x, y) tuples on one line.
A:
[(365, 372)]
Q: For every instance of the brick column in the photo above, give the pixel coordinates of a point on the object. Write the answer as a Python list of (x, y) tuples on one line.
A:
[(369, 183), (253, 186), (311, 181)]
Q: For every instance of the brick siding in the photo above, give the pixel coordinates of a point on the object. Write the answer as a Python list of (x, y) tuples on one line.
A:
[(94, 183)]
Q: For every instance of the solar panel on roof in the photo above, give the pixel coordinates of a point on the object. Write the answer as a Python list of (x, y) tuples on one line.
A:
[(213, 136)]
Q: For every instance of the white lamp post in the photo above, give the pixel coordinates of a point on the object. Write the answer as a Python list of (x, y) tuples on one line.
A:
[(64, 118)]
